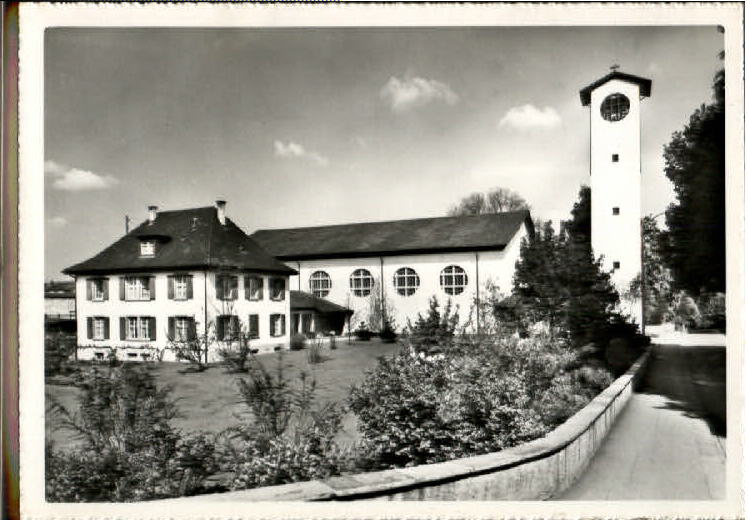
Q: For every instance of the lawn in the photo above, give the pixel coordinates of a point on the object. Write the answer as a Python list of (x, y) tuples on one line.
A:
[(209, 400)]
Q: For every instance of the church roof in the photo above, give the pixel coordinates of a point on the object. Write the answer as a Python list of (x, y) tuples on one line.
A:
[(645, 85), (396, 237), (188, 238)]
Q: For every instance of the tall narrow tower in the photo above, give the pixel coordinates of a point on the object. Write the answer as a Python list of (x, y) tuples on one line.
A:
[(615, 176)]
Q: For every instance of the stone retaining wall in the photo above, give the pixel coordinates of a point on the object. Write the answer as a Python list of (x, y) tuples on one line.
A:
[(536, 470)]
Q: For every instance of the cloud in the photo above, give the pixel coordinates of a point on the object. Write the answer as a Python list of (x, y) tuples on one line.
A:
[(295, 150), (57, 222), (74, 179), (406, 94), (529, 116), (360, 142)]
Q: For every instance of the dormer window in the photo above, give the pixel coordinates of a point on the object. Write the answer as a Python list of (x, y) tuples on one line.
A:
[(147, 247)]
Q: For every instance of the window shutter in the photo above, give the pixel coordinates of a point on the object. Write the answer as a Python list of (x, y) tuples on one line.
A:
[(121, 287), (272, 322), (105, 286), (192, 329), (170, 290), (219, 328), (171, 327), (247, 286), (283, 325), (122, 328), (89, 327), (261, 284), (219, 288), (254, 326), (234, 287), (89, 290), (189, 287), (152, 287), (152, 329), (106, 328)]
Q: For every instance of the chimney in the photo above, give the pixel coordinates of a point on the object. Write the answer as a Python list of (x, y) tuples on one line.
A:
[(152, 214), (221, 207)]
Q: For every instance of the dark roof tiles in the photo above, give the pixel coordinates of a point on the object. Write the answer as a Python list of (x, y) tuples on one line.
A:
[(423, 235), (305, 300), (189, 238), (645, 85)]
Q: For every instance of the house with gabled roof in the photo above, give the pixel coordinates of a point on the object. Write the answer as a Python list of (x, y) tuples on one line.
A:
[(176, 276), (403, 263)]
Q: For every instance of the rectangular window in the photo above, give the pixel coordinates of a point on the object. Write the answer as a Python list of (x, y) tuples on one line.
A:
[(616, 211), (138, 288), (227, 327), (278, 289), (277, 325), (253, 288), (253, 326), (181, 328), (97, 288), (98, 329), (180, 287), (227, 287), (615, 157), (147, 248), (140, 328), (616, 265)]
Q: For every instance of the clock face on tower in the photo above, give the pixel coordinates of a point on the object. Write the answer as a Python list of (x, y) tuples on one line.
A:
[(615, 107)]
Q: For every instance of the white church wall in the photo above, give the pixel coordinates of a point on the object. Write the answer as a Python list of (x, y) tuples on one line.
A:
[(496, 267)]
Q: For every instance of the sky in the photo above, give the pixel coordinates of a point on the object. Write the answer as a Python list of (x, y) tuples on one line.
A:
[(302, 126)]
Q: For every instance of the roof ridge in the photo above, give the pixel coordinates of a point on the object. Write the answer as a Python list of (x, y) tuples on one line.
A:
[(443, 217)]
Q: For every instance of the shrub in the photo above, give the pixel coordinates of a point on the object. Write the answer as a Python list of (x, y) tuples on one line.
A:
[(434, 332), (58, 349), (417, 408), (314, 354), (236, 355), (194, 349), (130, 450), (290, 439), (298, 341), (713, 312), (388, 334), (362, 332)]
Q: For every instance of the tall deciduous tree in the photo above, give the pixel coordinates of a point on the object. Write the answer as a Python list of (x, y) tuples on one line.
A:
[(497, 200), (694, 248)]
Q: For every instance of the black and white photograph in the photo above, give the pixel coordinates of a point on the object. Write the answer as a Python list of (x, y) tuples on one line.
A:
[(451, 257)]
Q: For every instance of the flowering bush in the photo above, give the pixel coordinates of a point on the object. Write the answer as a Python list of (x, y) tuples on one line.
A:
[(417, 408)]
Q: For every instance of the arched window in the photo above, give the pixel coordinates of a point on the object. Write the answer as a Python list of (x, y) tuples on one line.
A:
[(320, 283), (361, 282), (406, 281), (453, 279)]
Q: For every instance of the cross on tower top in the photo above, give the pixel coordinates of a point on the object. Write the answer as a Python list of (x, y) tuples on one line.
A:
[(615, 67)]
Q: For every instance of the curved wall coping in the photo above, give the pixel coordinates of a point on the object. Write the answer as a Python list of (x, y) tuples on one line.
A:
[(392, 481)]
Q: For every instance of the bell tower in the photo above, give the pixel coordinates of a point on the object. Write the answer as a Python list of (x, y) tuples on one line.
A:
[(615, 176)]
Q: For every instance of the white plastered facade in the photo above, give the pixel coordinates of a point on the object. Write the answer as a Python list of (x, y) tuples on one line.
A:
[(483, 268), (204, 307)]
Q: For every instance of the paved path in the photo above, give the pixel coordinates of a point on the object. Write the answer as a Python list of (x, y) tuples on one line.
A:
[(668, 443)]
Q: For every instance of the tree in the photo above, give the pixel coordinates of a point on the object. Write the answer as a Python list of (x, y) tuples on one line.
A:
[(656, 279), (497, 200), (694, 246), (560, 282)]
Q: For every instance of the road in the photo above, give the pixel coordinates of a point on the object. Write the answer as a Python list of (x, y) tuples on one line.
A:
[(669, 441)]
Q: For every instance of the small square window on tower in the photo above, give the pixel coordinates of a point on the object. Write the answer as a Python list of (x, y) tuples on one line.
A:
[(615, 157), (616, 264), (616, 210)]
